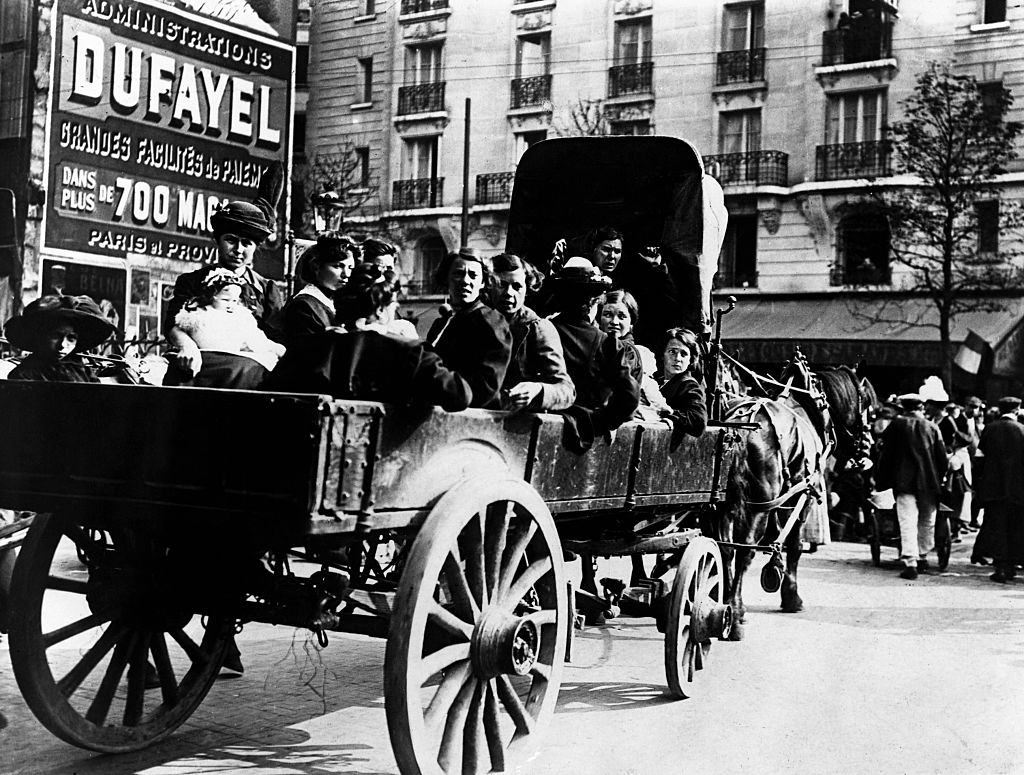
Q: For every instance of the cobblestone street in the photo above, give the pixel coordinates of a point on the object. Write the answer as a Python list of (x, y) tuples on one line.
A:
[(877, 675)]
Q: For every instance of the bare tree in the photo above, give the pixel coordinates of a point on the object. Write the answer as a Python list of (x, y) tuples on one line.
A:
[(948, 229), (585, 118), (342, 171)]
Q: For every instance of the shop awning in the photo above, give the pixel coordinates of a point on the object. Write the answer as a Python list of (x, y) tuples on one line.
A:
[(844, 330)]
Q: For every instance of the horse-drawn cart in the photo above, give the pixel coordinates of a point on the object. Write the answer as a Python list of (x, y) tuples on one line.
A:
[(169, 514), (169, 517)]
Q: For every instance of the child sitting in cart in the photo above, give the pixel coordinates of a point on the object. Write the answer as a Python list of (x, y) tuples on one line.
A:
[(682, 383), (617, 316), (236, 353), (56, 330)]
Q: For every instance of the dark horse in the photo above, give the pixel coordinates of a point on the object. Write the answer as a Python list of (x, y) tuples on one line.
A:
[(817, 417)]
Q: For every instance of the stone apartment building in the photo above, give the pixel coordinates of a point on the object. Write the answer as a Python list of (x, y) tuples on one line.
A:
[(787, 100)]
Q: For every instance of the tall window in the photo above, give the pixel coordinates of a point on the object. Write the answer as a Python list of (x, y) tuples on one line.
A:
[(431, 253), (533, 55), (361, 169), (368, 7), (856, 117), (418, 159), (991, 94), (299, 135), (737, 263), (14, 40), (633, 42), (364, 84), (302, 64), (863, 242), (744, 27), (987, 213), (639, 126), (994, 11), (423, 64), (739, 131)]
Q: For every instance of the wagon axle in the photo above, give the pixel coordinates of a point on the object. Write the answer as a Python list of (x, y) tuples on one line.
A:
[(504, 643)]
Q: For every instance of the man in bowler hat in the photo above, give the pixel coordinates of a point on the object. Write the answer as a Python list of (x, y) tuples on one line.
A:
[(1001, 489), (912, 463)]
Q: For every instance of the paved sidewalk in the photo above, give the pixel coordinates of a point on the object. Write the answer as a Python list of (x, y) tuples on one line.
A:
[(878, 675)]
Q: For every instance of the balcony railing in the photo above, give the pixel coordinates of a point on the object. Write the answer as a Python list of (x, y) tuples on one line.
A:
[(853, 160), (859, 271), (494, 188), (744, 66), (630, 79), (422, 6), (417, 193), (764, 168), (530, 91), (422, 98), (860, 42)]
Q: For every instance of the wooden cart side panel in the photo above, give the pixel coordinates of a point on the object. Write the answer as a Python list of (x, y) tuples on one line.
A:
[(241, 452), (422, 452), (569, 480), (689, 468)]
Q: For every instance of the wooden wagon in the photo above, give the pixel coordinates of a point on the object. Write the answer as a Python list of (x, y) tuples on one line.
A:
[(169, 517)]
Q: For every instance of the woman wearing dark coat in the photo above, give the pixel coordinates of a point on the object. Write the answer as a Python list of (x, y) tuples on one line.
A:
[(324, 268), (359, 361), (681, 383), (473, 340)]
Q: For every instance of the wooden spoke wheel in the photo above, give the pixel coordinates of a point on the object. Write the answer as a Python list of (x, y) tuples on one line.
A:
[(697, 614), (474, 656), (106, 654)]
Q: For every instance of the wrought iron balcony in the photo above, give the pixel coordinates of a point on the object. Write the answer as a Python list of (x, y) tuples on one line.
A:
[(853, 160), (417, 193), (494, 188), (421, 6), (530, 91), (422, 98), (743, 66), (630, 79), (764, 168), (859, 270), (860, 42)]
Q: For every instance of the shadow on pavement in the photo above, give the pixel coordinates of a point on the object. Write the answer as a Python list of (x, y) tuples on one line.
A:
[(584, 697)]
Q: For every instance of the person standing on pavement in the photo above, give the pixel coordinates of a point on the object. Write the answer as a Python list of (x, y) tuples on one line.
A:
[(913, 463), (1001, 490), (974, 417)]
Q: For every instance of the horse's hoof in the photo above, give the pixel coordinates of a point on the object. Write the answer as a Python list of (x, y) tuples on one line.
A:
[(793, 606), (736, 633)]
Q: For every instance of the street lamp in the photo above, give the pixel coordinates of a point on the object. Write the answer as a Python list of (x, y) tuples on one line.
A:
[(328, 211)]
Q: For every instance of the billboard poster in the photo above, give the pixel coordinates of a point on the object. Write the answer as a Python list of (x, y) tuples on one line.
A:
[(106, 285), (157, 117)]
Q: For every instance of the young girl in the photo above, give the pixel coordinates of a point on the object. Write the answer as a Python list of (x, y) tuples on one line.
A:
[(682, 383), (55, 329), (240, 354), (616, 316)]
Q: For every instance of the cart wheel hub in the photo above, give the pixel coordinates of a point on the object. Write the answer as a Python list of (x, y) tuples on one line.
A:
[(504, 643), (709, 620)]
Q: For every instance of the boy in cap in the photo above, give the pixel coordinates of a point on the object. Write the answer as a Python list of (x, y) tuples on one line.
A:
[(1001, 490), (912, 463)]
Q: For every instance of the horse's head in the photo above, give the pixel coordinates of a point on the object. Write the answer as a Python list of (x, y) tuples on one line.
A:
[(851, 399)]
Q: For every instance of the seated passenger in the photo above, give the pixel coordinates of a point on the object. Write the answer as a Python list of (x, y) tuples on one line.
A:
[(55, 329), (603, 246), (236, 354), (536, 378), (323, 268), (238, 229), (473, 340), (380, 252), (645, 275), (617, 315), (682, 383), (360, 362), (606, 395)]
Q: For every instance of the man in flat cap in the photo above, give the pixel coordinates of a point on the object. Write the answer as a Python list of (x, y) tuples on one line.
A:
[(1001, 489), (912, 463)]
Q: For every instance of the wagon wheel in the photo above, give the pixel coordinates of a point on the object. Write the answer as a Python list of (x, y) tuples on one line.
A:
[(118, 609), (474, 657), (696, 615)]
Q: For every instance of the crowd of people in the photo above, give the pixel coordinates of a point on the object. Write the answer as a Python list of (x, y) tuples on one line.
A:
[(965, 457)]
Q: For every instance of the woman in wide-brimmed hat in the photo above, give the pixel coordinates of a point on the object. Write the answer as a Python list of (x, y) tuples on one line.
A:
[(55, 329), (238, 229)]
